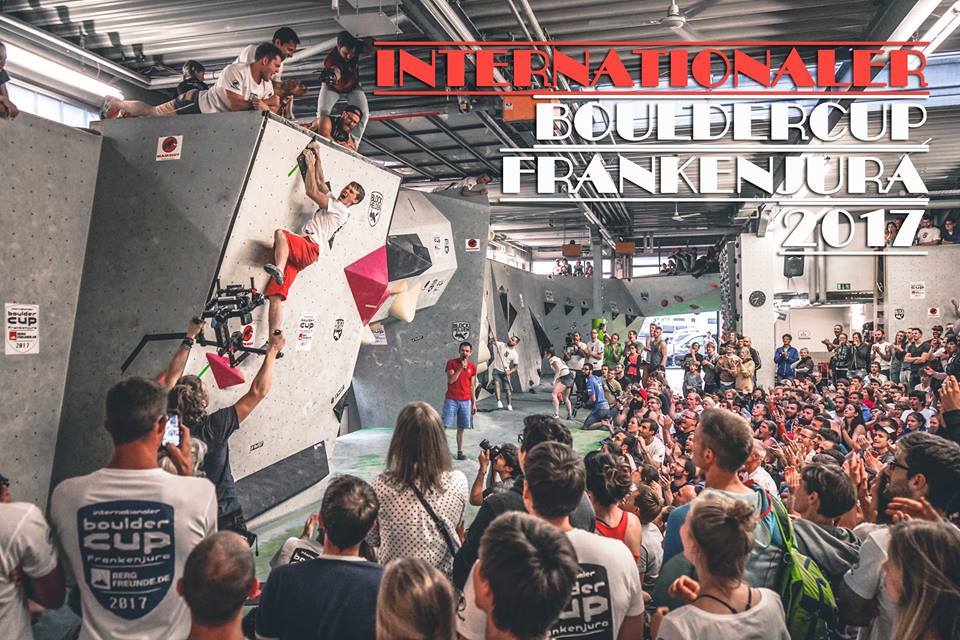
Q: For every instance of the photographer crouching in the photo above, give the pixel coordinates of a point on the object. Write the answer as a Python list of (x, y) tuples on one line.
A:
[(506, 466)]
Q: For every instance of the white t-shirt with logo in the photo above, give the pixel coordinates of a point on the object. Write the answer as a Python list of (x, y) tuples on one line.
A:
[(881, 347), (26, 542), (248, 55), (296, 550), (595, 347), (325, 222), (928, 234), (127, 534), (607, 591), (576, 360), (235, 78), (506, 357), (656, 449)]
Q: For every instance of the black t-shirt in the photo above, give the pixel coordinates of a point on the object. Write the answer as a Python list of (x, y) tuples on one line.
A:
[(322, 599), (915, 351), (4, 77), (215, 431), (191, 84)]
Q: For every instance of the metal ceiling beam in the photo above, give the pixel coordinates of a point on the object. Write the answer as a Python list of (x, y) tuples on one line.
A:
[(403, 133), (398, 158), (453, 135)]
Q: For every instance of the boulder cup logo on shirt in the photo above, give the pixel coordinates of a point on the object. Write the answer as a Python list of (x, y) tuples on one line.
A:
[(128, 553)]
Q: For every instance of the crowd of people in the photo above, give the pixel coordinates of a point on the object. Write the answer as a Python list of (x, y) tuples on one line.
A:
[(824, 506), (579, 269)]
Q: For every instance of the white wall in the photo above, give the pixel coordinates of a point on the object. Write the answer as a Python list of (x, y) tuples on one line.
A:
[(818, 322)]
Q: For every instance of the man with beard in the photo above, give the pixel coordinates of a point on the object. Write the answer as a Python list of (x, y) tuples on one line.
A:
[(339, 130), (790, 409), (923, 480), (708, 367)]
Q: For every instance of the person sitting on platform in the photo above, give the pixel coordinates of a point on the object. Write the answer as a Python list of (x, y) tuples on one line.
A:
[(193, 77), (339, 130), (341, 78), (293, 253), (240, 87)]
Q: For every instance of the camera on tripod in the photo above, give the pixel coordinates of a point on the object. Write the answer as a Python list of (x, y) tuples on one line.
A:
[(492, 450)]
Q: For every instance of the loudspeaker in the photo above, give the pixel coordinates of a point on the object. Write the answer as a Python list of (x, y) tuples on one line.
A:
[(792, 266)]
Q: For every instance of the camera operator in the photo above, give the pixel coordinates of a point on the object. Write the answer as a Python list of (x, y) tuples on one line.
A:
[(339, 130), (193, 77), (596, 400), (341, 78), (505, 467), (190, 398)]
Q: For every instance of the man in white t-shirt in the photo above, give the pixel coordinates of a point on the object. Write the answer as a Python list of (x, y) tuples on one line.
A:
[(505, 363), (881, 352), (286, 40), (128, 528), (469, 187), (26, 546), (293, 253), (754, 472), (607, 601), (595, 350), (651, 443), (574, 355), (240, 87), (927, 467), (927, 233)]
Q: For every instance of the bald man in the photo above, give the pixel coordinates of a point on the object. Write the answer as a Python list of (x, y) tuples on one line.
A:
[(217, 578)]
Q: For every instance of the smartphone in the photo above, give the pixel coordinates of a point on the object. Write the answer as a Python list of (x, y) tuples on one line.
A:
[(172, 433), (302, 163)]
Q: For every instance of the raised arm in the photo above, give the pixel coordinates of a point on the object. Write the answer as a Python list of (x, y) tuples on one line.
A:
[(314, 182), (174, 370), (261, 384)]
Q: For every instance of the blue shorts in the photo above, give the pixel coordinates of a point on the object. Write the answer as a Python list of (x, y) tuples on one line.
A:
[(459, 411)]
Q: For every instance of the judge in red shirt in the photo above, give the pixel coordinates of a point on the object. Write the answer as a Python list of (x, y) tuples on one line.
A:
[(460, 404)]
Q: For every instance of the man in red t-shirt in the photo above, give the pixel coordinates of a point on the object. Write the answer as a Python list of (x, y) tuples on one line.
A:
[(460, 404)]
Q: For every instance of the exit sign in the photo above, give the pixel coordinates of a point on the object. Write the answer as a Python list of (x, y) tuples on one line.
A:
[(843, 286)]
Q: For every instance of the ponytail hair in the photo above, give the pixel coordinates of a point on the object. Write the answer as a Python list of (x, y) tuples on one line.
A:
[(608, 478), (723, 530)]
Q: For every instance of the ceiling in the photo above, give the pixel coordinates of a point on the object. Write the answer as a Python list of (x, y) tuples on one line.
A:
[(429, 140)]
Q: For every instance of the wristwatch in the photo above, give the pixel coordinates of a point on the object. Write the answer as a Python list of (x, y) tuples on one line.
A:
[(187, 342)]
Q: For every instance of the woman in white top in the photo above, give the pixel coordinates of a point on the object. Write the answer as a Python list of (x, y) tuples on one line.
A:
[(717, 536), (422, 498), (562, 382)]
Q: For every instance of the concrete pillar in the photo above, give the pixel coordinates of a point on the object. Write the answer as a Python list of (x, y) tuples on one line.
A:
[(596, 251)]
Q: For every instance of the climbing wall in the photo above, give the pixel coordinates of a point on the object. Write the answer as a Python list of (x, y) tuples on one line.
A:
[(406, 362), (49, 172), (328, 305), (421, 259), (156, 236)]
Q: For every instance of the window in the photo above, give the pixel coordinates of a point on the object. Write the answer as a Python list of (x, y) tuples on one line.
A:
[(51, 107)]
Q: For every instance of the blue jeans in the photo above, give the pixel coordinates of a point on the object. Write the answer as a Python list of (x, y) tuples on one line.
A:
[(459, 410), (600, 412)]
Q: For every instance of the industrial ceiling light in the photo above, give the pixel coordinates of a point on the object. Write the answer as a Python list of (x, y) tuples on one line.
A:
[(41, 66)]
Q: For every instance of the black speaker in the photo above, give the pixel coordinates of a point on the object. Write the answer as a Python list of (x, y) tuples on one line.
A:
[(792, 266)]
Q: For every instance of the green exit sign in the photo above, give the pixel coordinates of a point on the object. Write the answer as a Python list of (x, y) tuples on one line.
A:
[(843, 286)]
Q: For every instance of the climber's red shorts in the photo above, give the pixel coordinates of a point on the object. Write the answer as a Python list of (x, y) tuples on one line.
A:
[(303, 253)]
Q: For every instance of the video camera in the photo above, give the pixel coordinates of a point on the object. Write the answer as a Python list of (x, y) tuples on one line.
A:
[(232, 301), (492, 450), (328, 76)]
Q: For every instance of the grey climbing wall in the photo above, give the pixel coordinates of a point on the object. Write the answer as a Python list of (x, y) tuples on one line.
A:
[(156, 237), (49, 172), (410, 365), (315, 372), (914, 298)]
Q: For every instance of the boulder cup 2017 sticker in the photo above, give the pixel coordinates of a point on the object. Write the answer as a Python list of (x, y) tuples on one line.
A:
[(21, 329), (305, 329), (128, 553), (169, 147)]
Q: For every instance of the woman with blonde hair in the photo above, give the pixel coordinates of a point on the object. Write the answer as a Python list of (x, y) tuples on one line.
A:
[(717, 536), (928, 594), (422, 498), (415, 602)]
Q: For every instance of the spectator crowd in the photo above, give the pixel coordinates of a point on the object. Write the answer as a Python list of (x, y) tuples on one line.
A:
[(824, 506)]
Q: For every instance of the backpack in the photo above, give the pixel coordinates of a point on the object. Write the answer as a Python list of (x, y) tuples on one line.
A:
[(808, 601)]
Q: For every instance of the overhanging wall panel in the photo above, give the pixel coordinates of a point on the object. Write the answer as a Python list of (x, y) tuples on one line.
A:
[(410, 366), (49, 173), (298, 413), (155, 240)]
